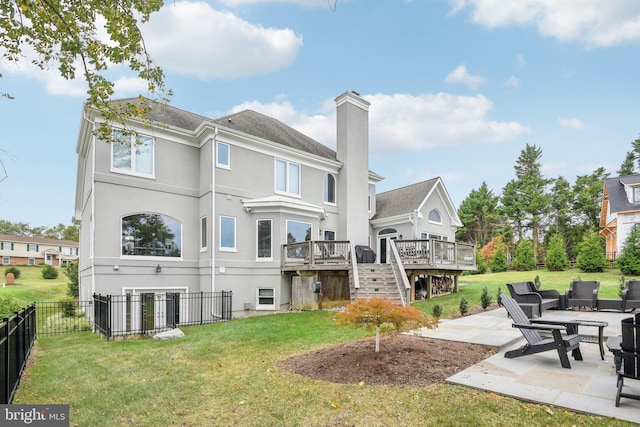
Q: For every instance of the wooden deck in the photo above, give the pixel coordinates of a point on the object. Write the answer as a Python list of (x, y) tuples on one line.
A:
[(418, 256)]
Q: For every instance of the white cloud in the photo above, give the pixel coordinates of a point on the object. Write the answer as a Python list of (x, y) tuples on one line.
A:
[(403, 122), (592, 22), (571, 123), (462, 75), (191, 38), (50, 77), (513, 81), (306, 3), (520, 60)]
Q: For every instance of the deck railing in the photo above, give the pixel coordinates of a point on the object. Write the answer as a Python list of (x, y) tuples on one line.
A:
[(436, 252), (432, 252), (317, 252)]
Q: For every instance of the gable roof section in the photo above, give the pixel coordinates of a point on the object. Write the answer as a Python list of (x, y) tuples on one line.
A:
[(256, 124), (404, 200), (617, 196), (246, 121)]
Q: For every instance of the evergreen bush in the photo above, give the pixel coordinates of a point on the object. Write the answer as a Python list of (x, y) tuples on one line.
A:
[(464, 306), (499, 261), (629, 259), (71, 271), (436, 311), (556, 259), (524, 258), (591, 257), (49, 272), (485, 298), (12, 269)]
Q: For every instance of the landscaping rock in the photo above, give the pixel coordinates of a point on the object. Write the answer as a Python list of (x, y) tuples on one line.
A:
[(169, 335)]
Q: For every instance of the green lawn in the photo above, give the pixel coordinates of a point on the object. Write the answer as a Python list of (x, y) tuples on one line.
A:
[(30, 286), (226, 374)]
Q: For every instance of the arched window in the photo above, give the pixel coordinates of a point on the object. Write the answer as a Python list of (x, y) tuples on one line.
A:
[(434, 216), (329, 188), (387, 231), (151, 235)]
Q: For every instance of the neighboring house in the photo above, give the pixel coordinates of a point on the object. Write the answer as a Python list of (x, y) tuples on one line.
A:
[(200, 205), (20, 250), (620, 211)]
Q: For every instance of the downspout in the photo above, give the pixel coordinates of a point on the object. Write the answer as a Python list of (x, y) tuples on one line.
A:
[(212, 227), (92, 227)]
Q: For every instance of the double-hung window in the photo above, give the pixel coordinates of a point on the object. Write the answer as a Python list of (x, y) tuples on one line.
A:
[(132, 154), (329, 189), (287, 177)]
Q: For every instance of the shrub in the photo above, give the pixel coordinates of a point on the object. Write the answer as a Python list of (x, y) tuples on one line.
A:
[(556, 259), (49, 272), (524, 258), (499, 261), (71, 271), (8, 306), (485, 298), (591, 258), (14, 270), (69, 307), (378, 312), (464, 306), (436, 311), (536, 282), (481, 264), (621, 285), (499, 297), (629, 259)]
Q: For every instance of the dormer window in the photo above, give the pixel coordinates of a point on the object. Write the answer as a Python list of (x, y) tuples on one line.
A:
[(636, 194)]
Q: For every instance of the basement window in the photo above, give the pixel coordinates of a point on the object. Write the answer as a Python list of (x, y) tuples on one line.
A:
[(266, 299)]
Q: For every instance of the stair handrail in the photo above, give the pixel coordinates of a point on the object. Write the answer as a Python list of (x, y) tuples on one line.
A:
[(398, 271)]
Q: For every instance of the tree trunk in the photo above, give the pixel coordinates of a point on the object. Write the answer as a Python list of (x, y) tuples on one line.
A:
[(377, 339)]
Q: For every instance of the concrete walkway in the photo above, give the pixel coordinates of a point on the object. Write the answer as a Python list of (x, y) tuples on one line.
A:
[(588, 387)]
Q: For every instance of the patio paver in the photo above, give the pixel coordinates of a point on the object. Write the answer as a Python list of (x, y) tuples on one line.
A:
[(589, 387)]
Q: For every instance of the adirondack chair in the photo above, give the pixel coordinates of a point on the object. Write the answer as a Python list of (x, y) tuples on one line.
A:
[(629, 355), (631, 295), (583, 294), (535, 342), (533, 301)]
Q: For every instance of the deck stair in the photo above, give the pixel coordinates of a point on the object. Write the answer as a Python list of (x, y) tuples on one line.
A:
[(376, 280)]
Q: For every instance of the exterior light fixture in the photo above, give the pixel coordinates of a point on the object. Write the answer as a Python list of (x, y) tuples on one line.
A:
[(158, 269)]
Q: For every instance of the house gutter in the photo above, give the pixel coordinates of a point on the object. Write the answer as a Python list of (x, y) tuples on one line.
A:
[(212, 227)]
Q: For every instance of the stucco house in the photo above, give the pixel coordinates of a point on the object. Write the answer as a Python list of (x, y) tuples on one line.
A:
[(620, 211), (23, 250), (247, 204)]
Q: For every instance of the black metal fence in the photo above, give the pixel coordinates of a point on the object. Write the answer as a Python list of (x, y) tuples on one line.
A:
[(17, 335), (119, 315), (63, 317)]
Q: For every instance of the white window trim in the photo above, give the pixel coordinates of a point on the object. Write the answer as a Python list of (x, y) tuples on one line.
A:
[(331, 231), (222, 165), (7, 259), (205, 232), (258, 258), (432, 221), (335, 190), (153, 257), (286, 230), (265, 306), (287, 191), (133, 171), (31, 261), (235, 235)]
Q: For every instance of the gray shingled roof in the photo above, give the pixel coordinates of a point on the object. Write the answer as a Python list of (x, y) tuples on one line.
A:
[(403, 200), (268, 128), (247, 121), (40, 240), (618, 201)]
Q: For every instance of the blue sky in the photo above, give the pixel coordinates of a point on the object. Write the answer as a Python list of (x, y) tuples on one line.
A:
[(457, 87)]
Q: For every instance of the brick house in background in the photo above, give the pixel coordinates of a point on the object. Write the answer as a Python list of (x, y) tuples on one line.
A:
[(22, 250)]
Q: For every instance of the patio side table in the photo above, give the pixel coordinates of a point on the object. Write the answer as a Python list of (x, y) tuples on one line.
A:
[(591, 339)]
